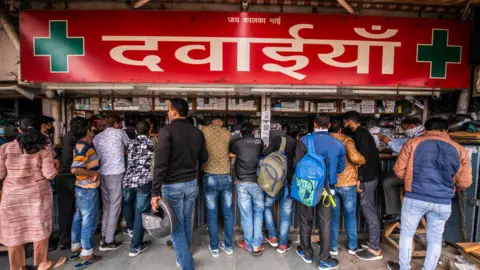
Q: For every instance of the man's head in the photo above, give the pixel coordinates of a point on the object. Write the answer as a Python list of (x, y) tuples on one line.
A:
[(247, 128), (290, 129), (45, 124), (81, 129), (217, 121), (113, 121), (177, 108), (411, 122), (437, 124), (321, 121), (351, 120), (143, 128), (336, 125)]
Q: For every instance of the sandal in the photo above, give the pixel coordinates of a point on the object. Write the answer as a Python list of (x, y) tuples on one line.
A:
[(85, 263), (55, 264), (243, 246)]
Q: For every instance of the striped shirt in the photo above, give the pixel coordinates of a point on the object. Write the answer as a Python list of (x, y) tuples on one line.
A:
[(85, 157)]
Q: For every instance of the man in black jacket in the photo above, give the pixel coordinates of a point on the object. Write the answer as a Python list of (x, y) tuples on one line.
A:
[(179, 149), (368, 175), (286, 202), (248, 151)]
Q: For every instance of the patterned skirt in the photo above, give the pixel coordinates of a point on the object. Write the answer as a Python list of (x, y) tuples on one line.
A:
[(25, 213)]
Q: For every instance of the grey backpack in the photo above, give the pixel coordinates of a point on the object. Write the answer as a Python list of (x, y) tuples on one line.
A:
[(273, 171)]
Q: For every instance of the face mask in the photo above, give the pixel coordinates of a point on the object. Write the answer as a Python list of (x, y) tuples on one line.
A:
[(411, 132)]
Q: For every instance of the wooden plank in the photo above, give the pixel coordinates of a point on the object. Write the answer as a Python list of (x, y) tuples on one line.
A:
[(469, 246)]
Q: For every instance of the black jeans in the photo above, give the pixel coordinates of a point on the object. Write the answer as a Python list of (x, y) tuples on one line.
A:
[(66, 206), (306, 216), (367, 203)]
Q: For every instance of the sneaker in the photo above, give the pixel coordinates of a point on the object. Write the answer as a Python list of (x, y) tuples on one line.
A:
[(215, 252), (354, 251), (391, 219), (228, 250), (128, 232), (393, 265), (334, 252), (144, 246), (332, 264), (273, 241), (302, 254), (284, 248), (368, 255), (75, 256), (87, 263), (110, 246), (365, 244)]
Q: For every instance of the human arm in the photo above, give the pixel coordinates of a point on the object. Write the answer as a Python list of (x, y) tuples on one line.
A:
[(94, 175), (203, 157), (400, 168), (363, 147), (48, 167), (300, 152), (352, 153), (341, 161), (274, 146), (397, 144), (162, 156), (463, 178), (3, 167)]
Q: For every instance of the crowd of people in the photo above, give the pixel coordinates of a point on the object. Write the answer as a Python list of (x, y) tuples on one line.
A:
[(112, 172)]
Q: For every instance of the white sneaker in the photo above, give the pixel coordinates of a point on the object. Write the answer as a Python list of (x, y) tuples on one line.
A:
[(215, 252), (334, 252)]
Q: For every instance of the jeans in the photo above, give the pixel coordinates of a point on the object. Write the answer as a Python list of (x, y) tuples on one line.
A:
[(219, 185), (367, 203), (345, 197), (285, 216), (412, 212), (85, 220), (66, 207), (182, 197), (135, 202), (251, 205)]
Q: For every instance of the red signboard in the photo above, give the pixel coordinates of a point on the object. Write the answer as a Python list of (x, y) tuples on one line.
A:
[(242, 48)]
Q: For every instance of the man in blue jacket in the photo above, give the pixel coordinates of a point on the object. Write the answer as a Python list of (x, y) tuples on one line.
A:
[(334, 152)]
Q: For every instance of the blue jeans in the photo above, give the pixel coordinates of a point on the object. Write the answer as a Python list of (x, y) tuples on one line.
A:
[(251, 205), (285, 216), (346, 197), (219, 185), (135, 202), (437, 215), (85, 220), (182, 197)]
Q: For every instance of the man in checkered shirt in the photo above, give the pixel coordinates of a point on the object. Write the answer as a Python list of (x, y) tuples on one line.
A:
[(137, 186)]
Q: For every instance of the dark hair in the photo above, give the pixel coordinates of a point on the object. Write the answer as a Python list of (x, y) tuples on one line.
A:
[(142, 128), (180, 106), (412, 121), (336, 124), (302, 133), (352, 115), (436, 123), (112, 119), (216, 117), (74, 121), (80, 127), (291, 129), (322, 121), (31, 140), (247, 128)]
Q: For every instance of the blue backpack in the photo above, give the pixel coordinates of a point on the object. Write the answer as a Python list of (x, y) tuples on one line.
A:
[(310, 176)]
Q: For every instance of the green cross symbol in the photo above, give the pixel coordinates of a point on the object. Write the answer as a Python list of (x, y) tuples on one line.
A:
[(58, 46), (439, 54)]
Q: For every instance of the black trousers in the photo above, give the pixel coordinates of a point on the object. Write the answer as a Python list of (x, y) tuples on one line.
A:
[(306, 216), (66, 206)]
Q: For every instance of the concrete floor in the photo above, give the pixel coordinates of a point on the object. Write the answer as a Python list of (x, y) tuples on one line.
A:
[(159, 256)]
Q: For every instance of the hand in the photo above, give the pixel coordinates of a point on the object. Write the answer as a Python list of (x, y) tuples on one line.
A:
[(96, 177), (358, 187), (154, 203), (386, 140), (56, 163), (380, 136)]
